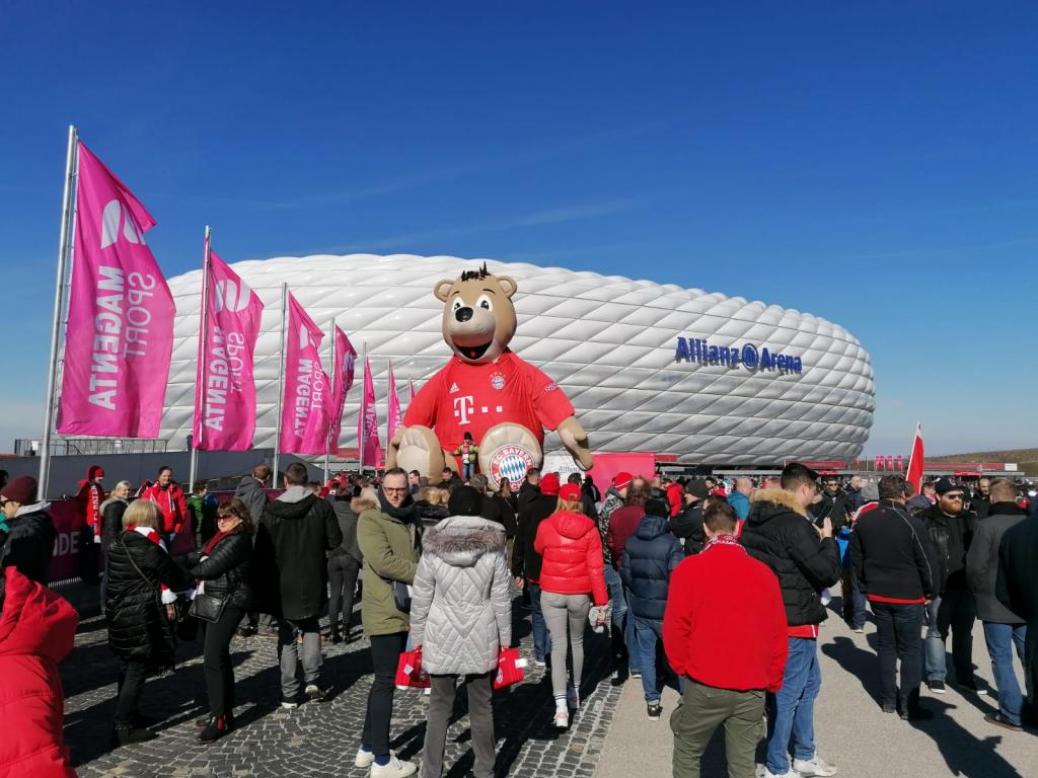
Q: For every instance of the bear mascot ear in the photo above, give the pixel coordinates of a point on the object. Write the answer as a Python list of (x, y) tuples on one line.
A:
[(442, 289), (508, 285)]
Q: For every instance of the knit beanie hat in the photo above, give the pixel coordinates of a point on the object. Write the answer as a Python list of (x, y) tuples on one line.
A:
[(21, 490)]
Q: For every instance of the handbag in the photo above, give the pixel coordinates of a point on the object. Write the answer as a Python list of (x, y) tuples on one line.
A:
[(402, 596), (510, 668), (207, 607), (409, 672)]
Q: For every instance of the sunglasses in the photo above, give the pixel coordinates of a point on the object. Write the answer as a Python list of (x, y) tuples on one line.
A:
[(953, 496)]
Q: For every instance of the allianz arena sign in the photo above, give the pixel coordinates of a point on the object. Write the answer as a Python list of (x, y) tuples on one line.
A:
[(637, 358)]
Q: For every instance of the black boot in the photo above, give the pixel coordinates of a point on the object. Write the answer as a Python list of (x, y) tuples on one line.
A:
[(127, 734), (336, 635), (218, 727)]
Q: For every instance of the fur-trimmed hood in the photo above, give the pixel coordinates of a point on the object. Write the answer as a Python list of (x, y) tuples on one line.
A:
[(461, 540), (768, 503)]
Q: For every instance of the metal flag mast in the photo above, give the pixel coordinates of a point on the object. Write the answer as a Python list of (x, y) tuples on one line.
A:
[(67, 215), (203, 340), (362, 427), (281, 383), (334, 375)]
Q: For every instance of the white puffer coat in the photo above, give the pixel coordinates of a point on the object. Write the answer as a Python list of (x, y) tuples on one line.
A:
[(461, 609)]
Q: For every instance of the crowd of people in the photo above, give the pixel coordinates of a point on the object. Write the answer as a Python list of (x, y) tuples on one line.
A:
[(715, 587)]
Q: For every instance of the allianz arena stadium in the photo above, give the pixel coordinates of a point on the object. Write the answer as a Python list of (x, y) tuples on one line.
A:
[(702, 377)]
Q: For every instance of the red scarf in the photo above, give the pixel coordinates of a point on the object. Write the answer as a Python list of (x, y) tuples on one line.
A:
[(722, 540), (207, 550)]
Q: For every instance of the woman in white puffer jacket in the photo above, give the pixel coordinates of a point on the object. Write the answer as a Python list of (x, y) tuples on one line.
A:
[(461, 616)]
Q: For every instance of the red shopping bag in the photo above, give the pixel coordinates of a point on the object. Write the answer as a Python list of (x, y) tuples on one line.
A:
[(409, 672), (510, 668)]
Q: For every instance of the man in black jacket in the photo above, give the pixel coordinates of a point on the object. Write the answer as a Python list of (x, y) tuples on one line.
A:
[(30, 540), (1016, 587), (951, 531), (252, 490), (687, 526), (1003, 627), (894, 563), (833, 504), (806, 559), (298, 528), (526, 562)]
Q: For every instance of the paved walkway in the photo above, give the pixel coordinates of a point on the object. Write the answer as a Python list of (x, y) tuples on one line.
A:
[(851, 730), (610, 738)]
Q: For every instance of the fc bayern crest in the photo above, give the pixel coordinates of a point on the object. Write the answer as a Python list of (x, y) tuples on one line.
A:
[(497, 380), (510, 462)]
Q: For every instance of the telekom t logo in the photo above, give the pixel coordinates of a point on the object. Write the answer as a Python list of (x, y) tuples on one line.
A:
[(233, 297), (114, 214), (463, 407)]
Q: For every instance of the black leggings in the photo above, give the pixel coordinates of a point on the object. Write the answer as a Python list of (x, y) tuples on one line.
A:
[(132, 675), (219, 673), (385, 654), (342, 579)]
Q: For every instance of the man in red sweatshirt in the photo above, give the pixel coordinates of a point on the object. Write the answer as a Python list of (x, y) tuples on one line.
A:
[(167, 494), (724, 631)]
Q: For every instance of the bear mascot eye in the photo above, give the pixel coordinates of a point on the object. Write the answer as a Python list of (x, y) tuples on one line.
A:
[(458, 303), (484, 303)]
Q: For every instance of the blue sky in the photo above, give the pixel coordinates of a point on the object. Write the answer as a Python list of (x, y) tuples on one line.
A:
[(875, 165)]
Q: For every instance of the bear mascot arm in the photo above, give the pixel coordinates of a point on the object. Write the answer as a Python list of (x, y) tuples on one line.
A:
[(485, 389)]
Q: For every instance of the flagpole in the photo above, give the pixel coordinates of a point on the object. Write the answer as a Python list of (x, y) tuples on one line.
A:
[(59, 297), (281, 382), (362, 428), (328, 441), (203, 339)]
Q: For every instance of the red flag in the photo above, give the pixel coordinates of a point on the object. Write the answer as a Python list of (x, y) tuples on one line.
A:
[(410, 399), (394, 415), (879, 461), (367, 422), (915, 461), (345, 361), (119, 335)]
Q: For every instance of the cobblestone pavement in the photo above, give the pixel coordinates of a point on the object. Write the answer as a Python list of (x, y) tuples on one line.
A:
[(316, 739)]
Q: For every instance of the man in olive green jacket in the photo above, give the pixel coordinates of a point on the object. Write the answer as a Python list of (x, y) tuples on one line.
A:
[(386, 536)]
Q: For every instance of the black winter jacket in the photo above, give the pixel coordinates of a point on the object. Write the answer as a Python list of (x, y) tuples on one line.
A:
[(290, 570), (137, 625), (951, 537), (112, 522), (891, 554), (650, 556), (526, 562), (30, 544), (688, 526), (982, 567), (497, 508), (226, 571), (778, 533), (347, 518), (837, 508)]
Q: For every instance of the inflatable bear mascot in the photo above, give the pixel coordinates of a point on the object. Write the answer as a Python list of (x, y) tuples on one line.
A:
[(486, 390)]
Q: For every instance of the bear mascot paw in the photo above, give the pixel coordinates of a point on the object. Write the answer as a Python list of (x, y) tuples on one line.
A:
[(486, 405)]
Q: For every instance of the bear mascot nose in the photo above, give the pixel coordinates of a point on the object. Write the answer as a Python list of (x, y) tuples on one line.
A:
[(463, 314)]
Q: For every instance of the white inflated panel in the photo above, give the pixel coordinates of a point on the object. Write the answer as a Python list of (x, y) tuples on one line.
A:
[(608, 341)]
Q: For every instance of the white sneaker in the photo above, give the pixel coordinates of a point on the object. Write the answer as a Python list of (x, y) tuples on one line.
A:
[(366, 758), (572, 698), (561, 718), (764, 772), (396, 768), (812, 767)]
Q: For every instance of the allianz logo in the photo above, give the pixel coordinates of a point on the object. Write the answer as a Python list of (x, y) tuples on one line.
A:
[(748, 355)]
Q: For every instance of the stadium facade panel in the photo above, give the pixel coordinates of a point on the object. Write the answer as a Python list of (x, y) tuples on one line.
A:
[(650, 367)]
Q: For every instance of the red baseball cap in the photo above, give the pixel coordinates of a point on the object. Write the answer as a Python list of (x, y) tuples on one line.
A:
[(622, 479), (550, 485), (570, 493)]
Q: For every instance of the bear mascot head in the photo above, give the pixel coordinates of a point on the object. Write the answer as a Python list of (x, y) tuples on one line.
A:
[(486, 410)]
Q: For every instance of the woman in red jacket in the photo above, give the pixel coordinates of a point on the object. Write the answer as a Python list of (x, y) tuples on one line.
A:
[(569, 543), (36, 632)]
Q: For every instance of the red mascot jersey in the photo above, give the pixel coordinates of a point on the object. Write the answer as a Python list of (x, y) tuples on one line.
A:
[(473, 398)]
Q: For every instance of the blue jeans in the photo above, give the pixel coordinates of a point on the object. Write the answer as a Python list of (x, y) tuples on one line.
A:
[(1001, 638), (541, 638), (954, 611), (634, 660), (616, 595), (647, 634), (791, 710)]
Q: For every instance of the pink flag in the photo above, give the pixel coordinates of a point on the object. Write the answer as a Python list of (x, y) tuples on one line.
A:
[(367, 422), (345, 360), (232, 311), (411, 398), (306, 410), (394, 415), (119, 335), (916, 461)]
